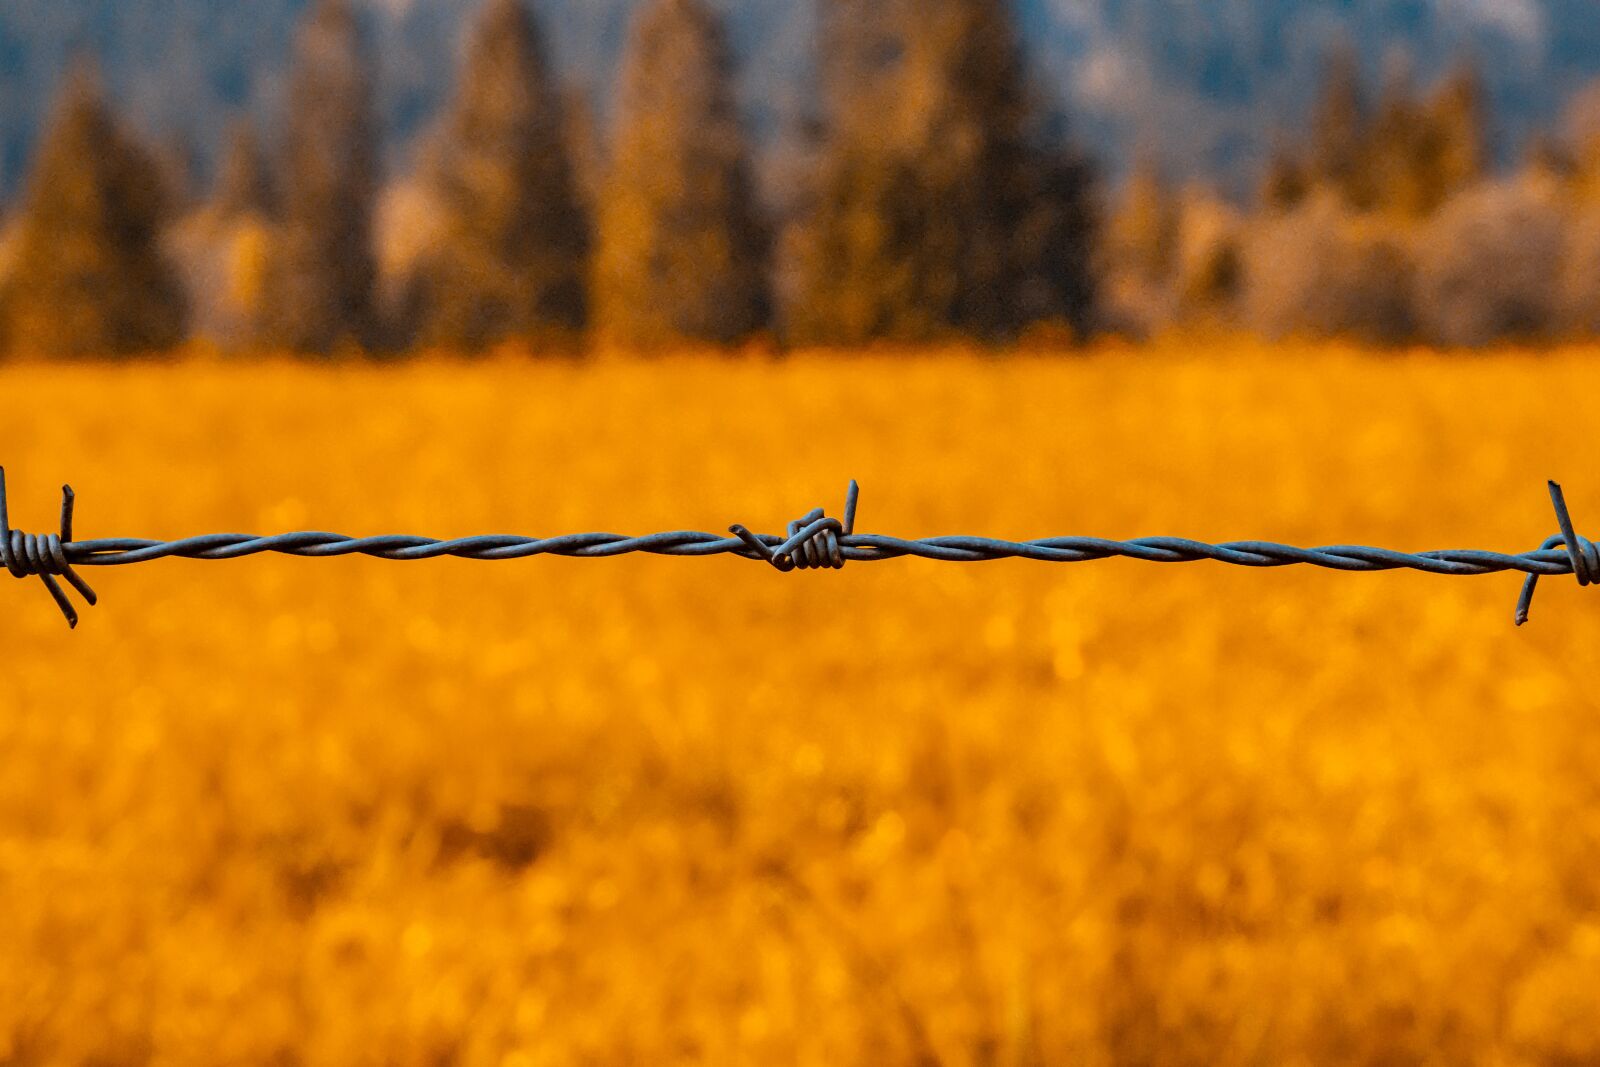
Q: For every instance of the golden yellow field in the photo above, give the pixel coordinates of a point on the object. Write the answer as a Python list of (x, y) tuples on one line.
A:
[(654, 811)]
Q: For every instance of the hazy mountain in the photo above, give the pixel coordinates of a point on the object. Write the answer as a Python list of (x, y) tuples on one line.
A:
[(1207, 84), (1204, 83)]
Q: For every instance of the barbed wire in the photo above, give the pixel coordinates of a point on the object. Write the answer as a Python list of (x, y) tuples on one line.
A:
[(813, 542)]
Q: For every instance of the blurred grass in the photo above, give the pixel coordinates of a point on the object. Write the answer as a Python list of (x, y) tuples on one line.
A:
[(692, 811)]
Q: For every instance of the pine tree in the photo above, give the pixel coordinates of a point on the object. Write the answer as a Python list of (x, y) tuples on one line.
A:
[(968, 114), (175, 158), (586, 148), (244, 181), (855, 253), (1458, 114), (1055, 239), (1408, 158), (1338, 132), (1548, 157), (1142, 238), (323, 276), (514, 246), (1284, 185), (1398, 149), (89, 277), (1210, 270), (1141, 251), (853, 248), (860, 54), (1581, 134), (681, 250), (946, 204), (226, 248)]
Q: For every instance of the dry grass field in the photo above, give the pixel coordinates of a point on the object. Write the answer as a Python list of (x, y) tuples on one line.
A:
[(654, 812)]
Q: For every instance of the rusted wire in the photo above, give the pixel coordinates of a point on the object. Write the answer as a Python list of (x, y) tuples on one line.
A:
[(813, 542)]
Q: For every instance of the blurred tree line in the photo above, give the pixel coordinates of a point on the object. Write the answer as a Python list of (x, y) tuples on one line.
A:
[(940, 198), (1384, 222), (943, 203)]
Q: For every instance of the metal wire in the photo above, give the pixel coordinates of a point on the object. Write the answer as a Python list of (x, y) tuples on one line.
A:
[(812, 542), (46, 555)]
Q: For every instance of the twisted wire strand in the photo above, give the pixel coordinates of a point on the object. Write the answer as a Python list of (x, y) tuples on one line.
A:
[(812, 542), (862, 548)]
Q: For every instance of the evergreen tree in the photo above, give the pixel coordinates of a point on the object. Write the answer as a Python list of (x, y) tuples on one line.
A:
[(1410, 157), (1141, 252), (968, 115), (1398, 148), (681, 250), (244, 181), (1055, 240), (585, 148), (323, 276), (1458, 114), (175, 158), (1210, 273), (1338, 130), (1419, 156), (853, 248), (1284, 185), (945, 204), (514, 243), (855, 252), (860, 52), (89, 277), (1548, 157), (1581, 134), (1142, 239), (226, 248)]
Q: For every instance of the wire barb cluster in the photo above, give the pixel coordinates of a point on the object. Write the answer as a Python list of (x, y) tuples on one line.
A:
[(45, 555), (813, 542), (1581, 553)]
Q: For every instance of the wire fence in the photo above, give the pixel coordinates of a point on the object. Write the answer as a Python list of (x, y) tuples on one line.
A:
[(813, 542)]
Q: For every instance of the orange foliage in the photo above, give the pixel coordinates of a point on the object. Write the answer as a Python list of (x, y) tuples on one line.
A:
[(694, 811)]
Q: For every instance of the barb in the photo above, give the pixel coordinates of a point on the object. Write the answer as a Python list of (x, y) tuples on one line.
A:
[(26, 555), (813, 542), (1581, 553)]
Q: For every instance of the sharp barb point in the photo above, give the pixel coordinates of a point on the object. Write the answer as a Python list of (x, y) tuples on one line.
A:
[(81, 586), (61, 601)]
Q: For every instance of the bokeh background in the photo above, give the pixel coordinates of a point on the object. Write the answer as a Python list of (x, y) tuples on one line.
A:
[(1272, 270)]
